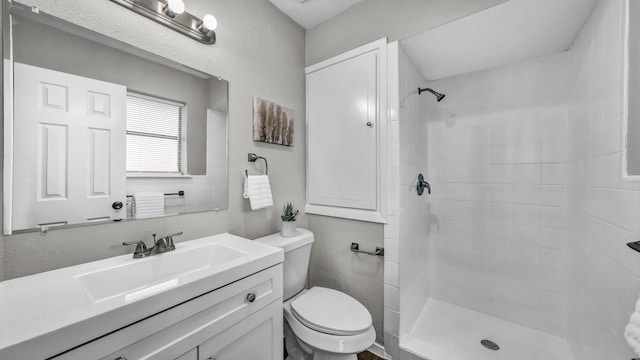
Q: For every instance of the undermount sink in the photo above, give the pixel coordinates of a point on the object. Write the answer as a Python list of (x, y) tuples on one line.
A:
[(143, 277)]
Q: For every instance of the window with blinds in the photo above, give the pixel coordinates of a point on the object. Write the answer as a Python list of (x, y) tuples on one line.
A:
[(154, 134)]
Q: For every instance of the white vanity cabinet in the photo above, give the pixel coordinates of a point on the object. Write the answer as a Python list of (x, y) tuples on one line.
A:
[(217, 297), (241, 320), (346, 134)]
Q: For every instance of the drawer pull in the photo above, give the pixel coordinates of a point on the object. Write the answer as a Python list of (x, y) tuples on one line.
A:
[(211, 358), (251, 297), (120, 358)]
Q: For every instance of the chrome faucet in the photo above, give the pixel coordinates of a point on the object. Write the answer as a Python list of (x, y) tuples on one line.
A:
[(160, 246)]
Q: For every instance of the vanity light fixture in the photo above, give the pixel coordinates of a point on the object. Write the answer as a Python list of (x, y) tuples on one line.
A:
[(173, 8), (209, 23), (172, 14)]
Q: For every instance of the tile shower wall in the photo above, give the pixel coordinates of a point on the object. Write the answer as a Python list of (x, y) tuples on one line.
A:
[(603, 208), (392, 228), (405, 281), (530, 212), (497, 160)]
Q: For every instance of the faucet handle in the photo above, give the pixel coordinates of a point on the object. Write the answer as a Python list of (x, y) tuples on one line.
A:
[(170, 244), (141, 249)]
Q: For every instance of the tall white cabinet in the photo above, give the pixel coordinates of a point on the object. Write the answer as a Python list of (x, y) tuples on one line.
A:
[(346, 134)]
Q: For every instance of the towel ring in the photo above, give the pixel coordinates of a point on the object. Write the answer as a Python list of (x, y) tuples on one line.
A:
[(251, 157)]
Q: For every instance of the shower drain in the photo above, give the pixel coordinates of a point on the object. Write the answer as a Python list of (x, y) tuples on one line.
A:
[(490, 345)]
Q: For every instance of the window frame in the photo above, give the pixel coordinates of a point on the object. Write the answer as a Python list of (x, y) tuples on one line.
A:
[(182, 139)]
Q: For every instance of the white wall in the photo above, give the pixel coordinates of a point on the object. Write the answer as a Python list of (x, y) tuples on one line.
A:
[(260, 52), (496, 152), (603, 208)]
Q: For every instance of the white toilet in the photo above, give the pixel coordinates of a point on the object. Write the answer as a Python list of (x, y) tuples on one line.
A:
[(320, 323)]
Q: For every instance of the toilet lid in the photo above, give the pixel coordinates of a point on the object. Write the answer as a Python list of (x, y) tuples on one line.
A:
[(331, 312)]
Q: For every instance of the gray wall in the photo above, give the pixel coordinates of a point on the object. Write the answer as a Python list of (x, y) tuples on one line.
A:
[(374, 19), (333, 265), (260, 52)]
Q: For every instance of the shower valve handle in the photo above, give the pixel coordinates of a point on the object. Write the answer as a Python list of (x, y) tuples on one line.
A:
[(421, 185)]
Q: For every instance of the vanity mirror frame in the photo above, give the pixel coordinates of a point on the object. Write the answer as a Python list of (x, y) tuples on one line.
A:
[(11, 9), (626, 54), (630, 78)]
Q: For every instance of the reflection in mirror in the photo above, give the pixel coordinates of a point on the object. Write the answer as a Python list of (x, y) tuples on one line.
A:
[(97, 123)]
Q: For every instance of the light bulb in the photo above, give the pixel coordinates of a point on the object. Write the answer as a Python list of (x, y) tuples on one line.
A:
[(175, 7), (209, 22)]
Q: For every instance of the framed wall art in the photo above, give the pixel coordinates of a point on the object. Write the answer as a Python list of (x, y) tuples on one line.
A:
[(272, 123)]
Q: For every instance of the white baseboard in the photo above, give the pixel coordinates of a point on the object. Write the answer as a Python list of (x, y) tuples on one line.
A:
[(378, 350)]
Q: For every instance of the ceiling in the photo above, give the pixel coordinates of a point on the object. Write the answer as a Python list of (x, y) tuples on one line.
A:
[(309, 13), (513, 31)]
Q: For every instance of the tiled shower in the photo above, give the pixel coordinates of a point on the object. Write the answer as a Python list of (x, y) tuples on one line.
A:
[(530, 213)]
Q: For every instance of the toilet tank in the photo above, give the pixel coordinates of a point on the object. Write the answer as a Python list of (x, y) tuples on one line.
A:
[(297, 251)]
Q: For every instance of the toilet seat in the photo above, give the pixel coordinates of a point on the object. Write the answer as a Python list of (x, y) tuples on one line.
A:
[(331, 312), (337, 344)]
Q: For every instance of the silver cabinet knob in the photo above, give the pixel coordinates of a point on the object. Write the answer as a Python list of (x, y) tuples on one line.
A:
[(251, 297), (369, 124), (120, 358)]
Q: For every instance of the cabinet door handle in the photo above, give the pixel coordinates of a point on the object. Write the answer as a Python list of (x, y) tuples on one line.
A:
[(211, 358), (369, 124), (251, 297), (120, 358)]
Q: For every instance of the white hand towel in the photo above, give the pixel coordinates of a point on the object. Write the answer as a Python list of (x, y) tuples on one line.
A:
[(148, 205), (632, 331), (258, 190)]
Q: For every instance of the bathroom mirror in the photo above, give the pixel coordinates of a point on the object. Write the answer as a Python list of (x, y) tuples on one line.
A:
[(90, 122)]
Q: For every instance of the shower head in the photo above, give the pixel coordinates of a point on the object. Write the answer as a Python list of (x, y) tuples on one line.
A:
[(438, 95)]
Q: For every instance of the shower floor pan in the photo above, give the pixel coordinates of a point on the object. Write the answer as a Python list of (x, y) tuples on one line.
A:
[(448, 332)]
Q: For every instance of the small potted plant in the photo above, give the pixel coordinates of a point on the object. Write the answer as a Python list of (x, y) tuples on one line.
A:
[(289, 215)]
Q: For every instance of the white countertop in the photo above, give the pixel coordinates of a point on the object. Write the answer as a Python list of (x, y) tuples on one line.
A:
[(45, 314)]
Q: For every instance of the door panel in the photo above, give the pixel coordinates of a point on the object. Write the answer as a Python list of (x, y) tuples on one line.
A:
[(52, 159), (99, 169)]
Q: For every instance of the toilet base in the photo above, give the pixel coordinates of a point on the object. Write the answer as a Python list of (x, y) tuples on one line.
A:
[(326, 356), (297, 350)]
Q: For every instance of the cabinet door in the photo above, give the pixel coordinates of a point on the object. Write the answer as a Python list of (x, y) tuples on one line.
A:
[(346, 121), (258, 336)]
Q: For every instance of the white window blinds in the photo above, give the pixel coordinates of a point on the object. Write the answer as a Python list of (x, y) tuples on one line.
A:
[(154, 134)]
